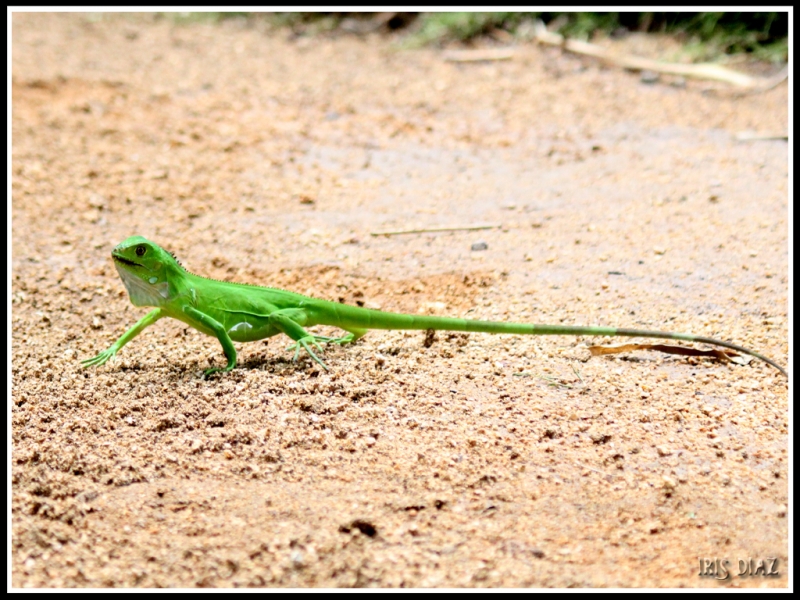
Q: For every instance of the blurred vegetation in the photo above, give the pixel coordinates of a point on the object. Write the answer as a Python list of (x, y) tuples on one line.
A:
[(707, 35)]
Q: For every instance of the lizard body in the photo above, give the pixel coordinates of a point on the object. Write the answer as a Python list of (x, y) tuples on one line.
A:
[(237, 312)]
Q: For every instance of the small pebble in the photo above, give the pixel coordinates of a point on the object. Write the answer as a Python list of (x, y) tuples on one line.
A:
[(479, 246), (649, 77)]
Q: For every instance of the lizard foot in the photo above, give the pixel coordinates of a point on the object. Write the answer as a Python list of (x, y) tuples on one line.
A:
[(212, 370), (304, 343), (345, 339), (100, 359)]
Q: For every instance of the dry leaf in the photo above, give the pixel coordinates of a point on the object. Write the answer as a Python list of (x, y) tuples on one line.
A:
[(723, 355)]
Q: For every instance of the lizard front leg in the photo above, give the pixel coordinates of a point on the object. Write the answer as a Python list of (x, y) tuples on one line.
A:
[(222, 336), (105, 355)]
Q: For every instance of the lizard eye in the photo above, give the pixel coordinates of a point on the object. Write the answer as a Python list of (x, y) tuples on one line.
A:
[(140, 250)]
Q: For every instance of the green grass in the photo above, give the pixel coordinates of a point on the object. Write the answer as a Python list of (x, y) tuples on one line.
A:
[(201, 17), (706, 35), (765, 35), (437, 28)]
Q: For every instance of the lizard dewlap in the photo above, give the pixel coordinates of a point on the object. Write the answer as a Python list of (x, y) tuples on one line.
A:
[(238, 312)]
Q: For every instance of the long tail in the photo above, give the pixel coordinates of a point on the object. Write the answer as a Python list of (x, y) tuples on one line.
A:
[(355, 318)]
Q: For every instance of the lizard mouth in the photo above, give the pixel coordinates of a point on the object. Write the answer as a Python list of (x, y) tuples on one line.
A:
[(125, 261)]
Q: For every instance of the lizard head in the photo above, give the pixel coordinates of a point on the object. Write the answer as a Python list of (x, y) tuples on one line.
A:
[(144, 267)]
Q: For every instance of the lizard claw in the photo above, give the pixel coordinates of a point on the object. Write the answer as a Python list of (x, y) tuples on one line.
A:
[(304, 342), (98, 360)]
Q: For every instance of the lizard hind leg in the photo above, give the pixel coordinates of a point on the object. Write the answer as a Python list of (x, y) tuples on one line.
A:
[(283, 320), (304, 342), (350, 337)]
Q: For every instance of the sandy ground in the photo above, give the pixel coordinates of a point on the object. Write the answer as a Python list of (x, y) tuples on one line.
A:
[(476, 460)]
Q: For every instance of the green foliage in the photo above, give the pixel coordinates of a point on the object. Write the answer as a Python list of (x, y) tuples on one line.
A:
[(308, 22), (446, 26), (202, 17), (763, 34), (711, 33), (706, 34)]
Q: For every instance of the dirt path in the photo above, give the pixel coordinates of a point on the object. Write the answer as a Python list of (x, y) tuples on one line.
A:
[(476, 461)]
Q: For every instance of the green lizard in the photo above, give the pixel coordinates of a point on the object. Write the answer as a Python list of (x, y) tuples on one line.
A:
[(236, 312)]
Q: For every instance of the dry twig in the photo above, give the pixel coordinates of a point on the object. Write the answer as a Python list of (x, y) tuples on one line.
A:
[(435, 230), (638, 63)]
